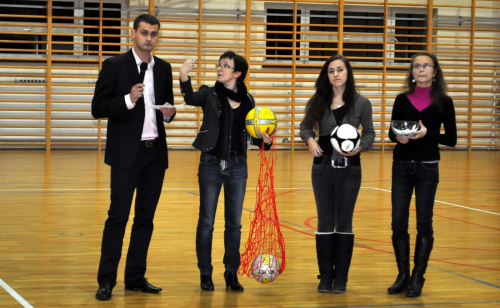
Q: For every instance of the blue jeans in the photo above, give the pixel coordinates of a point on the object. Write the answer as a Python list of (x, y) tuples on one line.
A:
[(424, 177), (210, 180), (336, 191)]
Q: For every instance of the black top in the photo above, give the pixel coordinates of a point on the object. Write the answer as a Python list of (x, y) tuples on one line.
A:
[(238, 126), (339, 114), (207, 138), (426, 148), (124, 131)]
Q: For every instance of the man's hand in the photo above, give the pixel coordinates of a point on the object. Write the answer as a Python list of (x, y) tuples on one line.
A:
[(136, 92), (168, 112)]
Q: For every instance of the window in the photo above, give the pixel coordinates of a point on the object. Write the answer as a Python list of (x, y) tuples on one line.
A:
[(410, 28), (27, 35), (363, 33), (366, 30), (323, 21), (34, 9), (279, 38), (110, 29)]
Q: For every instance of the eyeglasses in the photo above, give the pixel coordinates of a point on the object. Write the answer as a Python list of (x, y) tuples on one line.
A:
[(224, 66), (426, 66)]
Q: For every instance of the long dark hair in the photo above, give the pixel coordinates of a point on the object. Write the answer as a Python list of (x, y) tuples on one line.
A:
[(438, 91), (322, 98)]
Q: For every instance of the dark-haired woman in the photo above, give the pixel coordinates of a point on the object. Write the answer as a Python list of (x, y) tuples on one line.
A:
[(336, 178), (223, 141), (416, 166)]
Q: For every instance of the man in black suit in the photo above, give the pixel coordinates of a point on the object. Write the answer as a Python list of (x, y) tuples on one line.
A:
[(136, 149)]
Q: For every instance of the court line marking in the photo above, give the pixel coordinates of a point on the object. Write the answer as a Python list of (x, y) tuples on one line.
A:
[(248, 188), (432, 304), (108, 189), (24, 303), (14, 294), (447, 203)]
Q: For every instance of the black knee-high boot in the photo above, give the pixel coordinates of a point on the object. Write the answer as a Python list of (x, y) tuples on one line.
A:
[(402, 253), (423, 249), (325, 243), (344, 244)]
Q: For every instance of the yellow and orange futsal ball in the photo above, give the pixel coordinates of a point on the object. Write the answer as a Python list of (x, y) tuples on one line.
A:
[(260, 119)]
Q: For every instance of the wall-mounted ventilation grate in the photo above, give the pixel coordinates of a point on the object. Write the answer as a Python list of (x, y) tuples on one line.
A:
[(30, 80)]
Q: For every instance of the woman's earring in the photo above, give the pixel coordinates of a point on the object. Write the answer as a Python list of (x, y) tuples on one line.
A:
[(433, 79), (413, 80)]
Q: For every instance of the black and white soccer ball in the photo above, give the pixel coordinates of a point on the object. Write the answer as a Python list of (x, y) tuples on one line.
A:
[(345, 138)]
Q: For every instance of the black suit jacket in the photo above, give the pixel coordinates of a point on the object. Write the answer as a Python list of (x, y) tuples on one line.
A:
[(124, 130)]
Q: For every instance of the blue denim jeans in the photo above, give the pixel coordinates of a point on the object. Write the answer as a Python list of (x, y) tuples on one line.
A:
[(424, 177), (210, 181), (336, 191)]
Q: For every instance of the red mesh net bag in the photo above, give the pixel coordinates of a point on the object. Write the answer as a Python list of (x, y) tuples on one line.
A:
[(264, 256)]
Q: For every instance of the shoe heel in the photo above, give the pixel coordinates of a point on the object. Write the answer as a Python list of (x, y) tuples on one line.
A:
[(206, 283), (232, 281)]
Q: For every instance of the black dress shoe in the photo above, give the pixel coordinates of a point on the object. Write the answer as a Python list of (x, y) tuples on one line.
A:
[(142, 286), (232, 281), (206, 283), (104, 292)]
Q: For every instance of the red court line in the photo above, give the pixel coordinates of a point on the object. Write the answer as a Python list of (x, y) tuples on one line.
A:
[(436, 260), (436, 215), (297, 230), (369, 211), (290, 191), (435, 246), (468, 222), (307, 223), (467, 265)]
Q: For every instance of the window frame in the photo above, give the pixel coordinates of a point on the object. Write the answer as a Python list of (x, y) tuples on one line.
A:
[(40, 30), (305, 37)]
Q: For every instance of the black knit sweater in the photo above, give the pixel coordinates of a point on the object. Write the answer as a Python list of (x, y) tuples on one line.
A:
[(426, 148)]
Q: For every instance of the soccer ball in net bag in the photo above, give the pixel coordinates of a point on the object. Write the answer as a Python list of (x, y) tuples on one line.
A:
[(265, 268)]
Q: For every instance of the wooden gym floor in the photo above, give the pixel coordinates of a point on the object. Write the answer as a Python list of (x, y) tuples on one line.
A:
[(53, 208)]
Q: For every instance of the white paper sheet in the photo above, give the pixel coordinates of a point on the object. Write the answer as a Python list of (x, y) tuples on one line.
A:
[(166, 106)]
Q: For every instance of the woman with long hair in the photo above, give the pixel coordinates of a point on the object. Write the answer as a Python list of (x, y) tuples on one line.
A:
[(336, 177), (416, 165)]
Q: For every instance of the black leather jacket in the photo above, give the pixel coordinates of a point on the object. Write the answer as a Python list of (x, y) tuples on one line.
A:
[(206, 98)]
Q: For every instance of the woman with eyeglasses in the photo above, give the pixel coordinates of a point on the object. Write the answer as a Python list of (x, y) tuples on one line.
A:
[(416, 166), (223, 142), (336, 178)]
